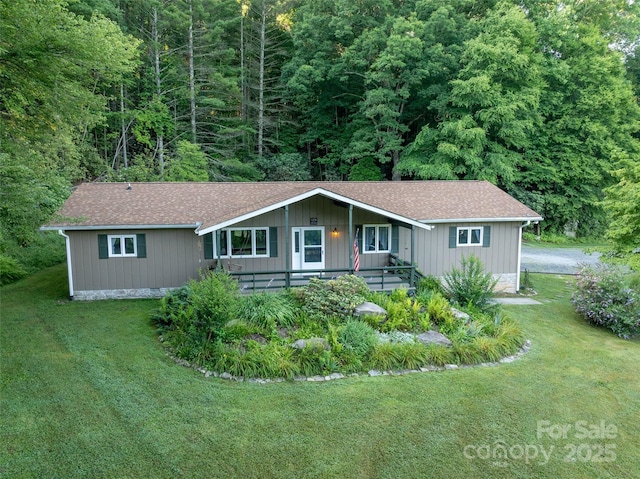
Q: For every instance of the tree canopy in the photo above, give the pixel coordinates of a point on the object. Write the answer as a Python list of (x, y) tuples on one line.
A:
[(537, 96)]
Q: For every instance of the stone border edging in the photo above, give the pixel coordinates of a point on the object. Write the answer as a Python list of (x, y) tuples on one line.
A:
[(526, 346)]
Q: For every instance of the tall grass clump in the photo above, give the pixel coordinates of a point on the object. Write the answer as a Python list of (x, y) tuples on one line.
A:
[(267, 310)]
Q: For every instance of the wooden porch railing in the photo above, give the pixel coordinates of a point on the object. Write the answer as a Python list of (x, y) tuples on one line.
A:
[(397, 273)]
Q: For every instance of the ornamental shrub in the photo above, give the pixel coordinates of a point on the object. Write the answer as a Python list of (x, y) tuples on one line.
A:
[(359, 337), (198, 311), (469, 285), (333, 298), (604, 298)]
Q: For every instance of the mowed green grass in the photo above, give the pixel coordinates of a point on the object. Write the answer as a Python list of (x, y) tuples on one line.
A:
[(88, 391)]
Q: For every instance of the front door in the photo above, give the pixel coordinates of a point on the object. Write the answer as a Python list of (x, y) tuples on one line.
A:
[(307, 248)]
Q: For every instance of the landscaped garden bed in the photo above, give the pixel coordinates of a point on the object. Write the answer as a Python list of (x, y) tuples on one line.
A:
[(323, 329)]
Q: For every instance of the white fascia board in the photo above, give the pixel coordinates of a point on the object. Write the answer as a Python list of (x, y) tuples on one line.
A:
[(485, 220), (119, 227), (304, 196)]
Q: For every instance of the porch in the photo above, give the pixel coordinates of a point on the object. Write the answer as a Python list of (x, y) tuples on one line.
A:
[(396, 274)]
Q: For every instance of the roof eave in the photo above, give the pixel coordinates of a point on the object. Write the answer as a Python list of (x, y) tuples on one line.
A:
[(484, 220), (118, 227)]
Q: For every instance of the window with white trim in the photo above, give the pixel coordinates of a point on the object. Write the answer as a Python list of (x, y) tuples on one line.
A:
[(377, 238), (469, 236), (244, 242), (122, 246)]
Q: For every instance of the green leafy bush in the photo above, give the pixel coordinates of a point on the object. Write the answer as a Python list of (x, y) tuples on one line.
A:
[(429, 284), (439, 309), (200, 309), (469, 285), (337, 297), (403, 312), (10, 270), (604, 298), (358, 337)]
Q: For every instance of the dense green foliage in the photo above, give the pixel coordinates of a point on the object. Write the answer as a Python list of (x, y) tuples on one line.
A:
[(193, 318), (623, 203), (605, 298), (538, 97), (10, 270), (312, 329)]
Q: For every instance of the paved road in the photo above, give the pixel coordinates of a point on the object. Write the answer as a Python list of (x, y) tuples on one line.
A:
[(555, 260)]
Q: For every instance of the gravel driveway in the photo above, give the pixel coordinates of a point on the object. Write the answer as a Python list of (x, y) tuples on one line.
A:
[(555, 260)]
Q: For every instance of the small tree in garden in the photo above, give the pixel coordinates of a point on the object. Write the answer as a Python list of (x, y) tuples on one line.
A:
[(604, 298), (471, 284)]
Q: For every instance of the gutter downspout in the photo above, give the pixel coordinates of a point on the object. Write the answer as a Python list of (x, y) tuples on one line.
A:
[(519, 261), (67, 241)]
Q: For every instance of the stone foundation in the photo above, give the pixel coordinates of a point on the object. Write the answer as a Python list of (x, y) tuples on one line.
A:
[(121, 294), (506, 282)]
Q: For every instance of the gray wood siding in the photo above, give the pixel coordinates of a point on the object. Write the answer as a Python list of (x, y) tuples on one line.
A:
[(433, 255), (176, 255), (173, 257)]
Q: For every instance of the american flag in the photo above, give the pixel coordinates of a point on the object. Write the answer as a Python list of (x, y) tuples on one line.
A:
[(356, 253)]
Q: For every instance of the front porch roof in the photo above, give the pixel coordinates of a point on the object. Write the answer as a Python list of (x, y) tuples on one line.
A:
[(303, 196)]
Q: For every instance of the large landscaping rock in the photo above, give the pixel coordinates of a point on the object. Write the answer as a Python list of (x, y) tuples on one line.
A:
[(369, 309), (460, 315), (434, 337), (315, 343)]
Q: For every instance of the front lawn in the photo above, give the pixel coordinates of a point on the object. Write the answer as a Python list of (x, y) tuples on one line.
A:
[(87, 391)]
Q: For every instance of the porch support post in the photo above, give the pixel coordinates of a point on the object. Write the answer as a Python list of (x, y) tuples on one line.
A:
[(350, 247), (412, 281), (216, 253), (287, 249)]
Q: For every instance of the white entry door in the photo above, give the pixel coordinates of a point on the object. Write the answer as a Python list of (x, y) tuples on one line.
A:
[(307, 248)]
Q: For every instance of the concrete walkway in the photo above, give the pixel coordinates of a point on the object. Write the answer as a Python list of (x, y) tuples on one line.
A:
[(523, 300)]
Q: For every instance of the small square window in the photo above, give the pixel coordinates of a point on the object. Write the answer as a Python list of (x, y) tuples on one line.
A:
[(123, 245), (469, 236)]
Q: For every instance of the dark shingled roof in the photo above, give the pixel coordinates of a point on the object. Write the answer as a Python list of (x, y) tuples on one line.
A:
[(167, 204)]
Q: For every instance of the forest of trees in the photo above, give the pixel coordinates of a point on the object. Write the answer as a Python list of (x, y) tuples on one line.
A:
[(540, 97)]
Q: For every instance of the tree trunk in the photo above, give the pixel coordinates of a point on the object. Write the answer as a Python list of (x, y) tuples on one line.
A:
[(156, 58), (192, 85), (125, 160), (263, 28), (395, 176)]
